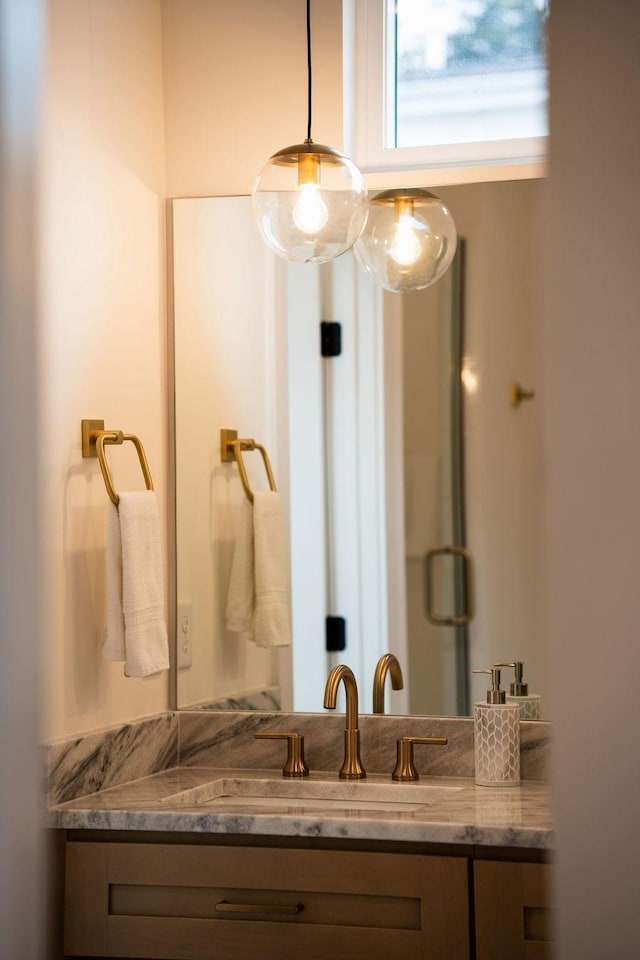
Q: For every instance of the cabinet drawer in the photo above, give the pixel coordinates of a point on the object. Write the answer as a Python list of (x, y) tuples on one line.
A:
[(230, 903), (513, 911)]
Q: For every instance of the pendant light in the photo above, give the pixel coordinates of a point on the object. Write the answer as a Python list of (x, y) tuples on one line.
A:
[(309, 200), (409, 239)]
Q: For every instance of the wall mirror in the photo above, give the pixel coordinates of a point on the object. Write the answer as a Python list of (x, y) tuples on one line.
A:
[(429, 402)]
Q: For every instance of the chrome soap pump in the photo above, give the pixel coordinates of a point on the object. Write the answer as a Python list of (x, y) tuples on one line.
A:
[(530, 703), (496, 737)]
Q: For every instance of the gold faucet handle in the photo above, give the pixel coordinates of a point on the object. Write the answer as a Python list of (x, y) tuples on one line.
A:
[(295, 765), (405, 768)]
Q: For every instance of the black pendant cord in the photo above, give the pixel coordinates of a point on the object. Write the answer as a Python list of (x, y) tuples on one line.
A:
[(309, 70)]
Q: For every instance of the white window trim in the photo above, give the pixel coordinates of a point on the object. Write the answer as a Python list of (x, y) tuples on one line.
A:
[(365, 31)]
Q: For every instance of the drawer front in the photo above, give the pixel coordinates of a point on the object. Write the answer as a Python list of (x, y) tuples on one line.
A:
[(513, 911), (226, 903)]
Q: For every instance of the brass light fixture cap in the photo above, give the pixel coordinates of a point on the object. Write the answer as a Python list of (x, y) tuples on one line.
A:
[(416, 194), (297, 151)]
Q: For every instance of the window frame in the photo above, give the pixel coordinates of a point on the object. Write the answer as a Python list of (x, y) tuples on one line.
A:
[(367, 31)]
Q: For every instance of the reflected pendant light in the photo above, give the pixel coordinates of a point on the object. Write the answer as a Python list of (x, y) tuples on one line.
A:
[(409, 239), (309, 201)]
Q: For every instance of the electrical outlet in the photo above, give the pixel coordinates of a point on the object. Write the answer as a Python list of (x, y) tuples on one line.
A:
[(184, 638)]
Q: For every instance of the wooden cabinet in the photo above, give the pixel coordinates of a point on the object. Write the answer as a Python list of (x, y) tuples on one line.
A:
[(512, 910), (162, 901)]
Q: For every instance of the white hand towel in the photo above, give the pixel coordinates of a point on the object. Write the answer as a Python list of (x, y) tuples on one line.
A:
[(259, 596), (272, 615), (146, 647), (241, 592)]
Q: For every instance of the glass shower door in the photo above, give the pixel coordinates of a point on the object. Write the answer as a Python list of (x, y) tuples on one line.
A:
[(438, 566)]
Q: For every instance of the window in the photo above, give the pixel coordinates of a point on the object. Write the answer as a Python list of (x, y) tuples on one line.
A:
[(448, 84)]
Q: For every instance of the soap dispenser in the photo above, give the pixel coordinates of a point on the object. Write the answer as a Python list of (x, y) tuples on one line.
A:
[(530, 703), (496, 737)]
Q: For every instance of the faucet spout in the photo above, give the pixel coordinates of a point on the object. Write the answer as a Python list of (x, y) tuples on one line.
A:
[(386, 664), (352, 768)]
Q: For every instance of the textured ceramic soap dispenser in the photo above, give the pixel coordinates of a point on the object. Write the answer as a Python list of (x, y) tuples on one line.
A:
[(530, 703), (496, 737)]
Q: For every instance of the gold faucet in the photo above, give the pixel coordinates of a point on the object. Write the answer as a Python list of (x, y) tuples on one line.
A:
[(386, 664), (351, 768)]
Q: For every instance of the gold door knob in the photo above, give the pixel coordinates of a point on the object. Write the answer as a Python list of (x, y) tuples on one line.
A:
[(517, 394)]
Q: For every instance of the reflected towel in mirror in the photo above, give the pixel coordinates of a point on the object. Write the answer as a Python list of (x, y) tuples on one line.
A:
[(240, 595), (136, 632), (258, 601)]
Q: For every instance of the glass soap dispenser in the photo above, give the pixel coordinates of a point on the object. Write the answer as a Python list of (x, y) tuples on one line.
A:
[(496, 737), (530, 703)]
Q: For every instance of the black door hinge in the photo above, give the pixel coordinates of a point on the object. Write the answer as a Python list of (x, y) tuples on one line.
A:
[(330, 338), (336, 634)]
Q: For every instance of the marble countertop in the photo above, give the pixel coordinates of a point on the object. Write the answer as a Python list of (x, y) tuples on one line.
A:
[(201, 799)]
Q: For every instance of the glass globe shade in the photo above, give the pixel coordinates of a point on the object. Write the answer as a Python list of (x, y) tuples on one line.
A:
[(409, 239), (310, 203)]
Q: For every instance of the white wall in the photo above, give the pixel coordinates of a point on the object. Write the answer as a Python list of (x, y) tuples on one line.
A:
[(102, 348), (591, 355)]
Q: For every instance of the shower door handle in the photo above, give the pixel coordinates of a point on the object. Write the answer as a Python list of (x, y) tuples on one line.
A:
[(454, 620)]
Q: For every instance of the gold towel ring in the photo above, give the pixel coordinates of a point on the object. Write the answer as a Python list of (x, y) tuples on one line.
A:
[(231, 449), (94, 438)]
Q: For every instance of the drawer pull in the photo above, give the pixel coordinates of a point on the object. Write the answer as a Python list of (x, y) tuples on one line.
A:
[(227, 906)]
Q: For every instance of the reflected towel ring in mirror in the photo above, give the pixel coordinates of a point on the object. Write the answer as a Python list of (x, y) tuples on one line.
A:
[(231, 449)]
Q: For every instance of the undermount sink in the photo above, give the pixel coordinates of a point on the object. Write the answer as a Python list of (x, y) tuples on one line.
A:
[(264, 793)]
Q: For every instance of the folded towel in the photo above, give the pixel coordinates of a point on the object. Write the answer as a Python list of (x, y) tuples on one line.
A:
[(241, 592), (272, 616), (258, 600), (136, 631), (113, 647)]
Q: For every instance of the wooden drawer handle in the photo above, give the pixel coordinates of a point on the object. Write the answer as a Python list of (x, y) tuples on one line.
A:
[(227, 906)]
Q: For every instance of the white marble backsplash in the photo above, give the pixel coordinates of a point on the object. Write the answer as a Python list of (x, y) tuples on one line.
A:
[(227, 740), (267, 699), (106, 758)]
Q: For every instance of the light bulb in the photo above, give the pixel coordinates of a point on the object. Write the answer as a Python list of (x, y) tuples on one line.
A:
[(310, 203), (310, 212), (408, 241), (405, 247)]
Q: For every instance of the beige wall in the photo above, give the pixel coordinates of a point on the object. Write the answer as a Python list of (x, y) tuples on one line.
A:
[(103, 329), (236, 88), (502, 445)]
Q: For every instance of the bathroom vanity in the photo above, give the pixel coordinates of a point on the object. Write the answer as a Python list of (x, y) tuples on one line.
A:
[(229, 862)]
